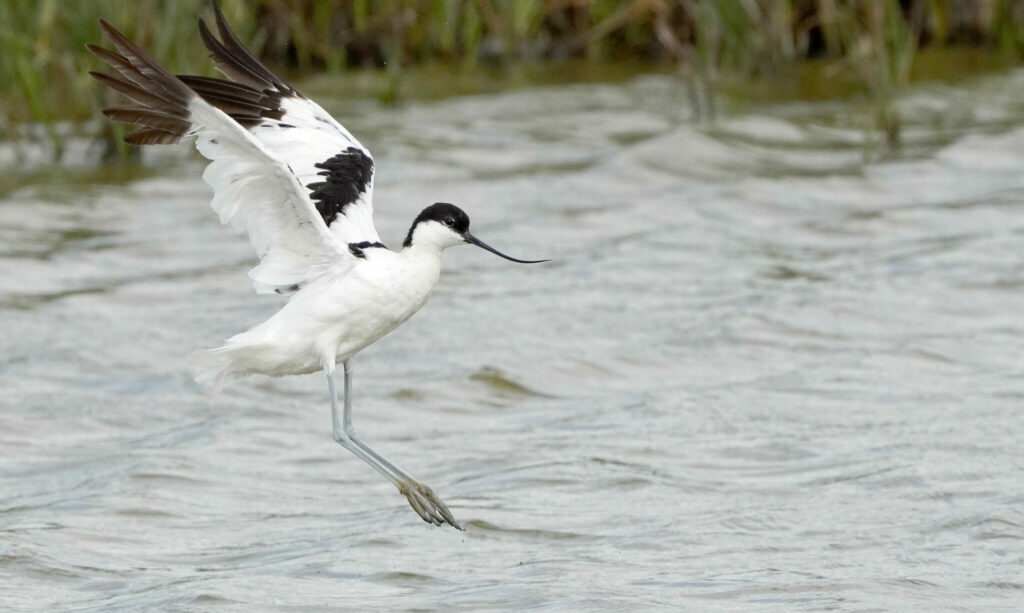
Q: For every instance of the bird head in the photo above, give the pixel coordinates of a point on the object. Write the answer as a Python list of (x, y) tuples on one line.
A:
[(443, 225)]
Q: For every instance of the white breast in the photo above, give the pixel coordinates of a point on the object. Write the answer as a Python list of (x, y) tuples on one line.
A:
[(373, 299), (333, 318)]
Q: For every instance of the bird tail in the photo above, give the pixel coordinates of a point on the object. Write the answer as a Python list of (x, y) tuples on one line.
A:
[(212, 368)]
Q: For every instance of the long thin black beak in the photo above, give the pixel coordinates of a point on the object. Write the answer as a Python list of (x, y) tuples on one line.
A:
[(472, 240)]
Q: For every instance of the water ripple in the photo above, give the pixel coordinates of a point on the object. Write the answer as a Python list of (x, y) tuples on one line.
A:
[(762, 372)]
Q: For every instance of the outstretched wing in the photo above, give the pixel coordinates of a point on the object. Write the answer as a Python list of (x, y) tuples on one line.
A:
[(330, 163), (255, 190)]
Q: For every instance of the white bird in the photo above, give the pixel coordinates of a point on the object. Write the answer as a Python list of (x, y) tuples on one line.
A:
[(300, 185)]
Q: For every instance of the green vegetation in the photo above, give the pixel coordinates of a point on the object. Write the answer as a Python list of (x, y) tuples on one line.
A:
[(870, 46)]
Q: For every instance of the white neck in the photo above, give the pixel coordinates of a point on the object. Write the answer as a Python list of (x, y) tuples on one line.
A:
[(422, 251), (431, 237)]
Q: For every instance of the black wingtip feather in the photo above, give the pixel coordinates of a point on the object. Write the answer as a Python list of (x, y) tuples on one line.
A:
[(151, 136), (161, 99), (228, 65), (242, 103), (230, 50), (252, 95), (252, 92)]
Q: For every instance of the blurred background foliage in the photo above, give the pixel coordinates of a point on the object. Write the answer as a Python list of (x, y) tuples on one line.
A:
[(866, 47)]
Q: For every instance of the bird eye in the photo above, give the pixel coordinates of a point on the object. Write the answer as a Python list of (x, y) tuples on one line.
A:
[(449, 222)]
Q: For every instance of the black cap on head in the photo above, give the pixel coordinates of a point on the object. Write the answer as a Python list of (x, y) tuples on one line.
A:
[(443, 213)]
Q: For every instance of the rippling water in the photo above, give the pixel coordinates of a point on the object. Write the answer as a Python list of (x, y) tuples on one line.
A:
[(761, 374)]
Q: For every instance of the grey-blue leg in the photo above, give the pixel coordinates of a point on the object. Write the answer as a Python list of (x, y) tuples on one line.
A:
[(421, 498)]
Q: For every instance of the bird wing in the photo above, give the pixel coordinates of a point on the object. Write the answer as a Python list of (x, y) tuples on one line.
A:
[(335, 168), (255, 188)]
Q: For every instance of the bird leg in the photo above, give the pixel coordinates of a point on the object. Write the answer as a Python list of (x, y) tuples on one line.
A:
[(421, 498)]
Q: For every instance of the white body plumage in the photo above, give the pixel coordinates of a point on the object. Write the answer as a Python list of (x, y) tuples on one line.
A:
[(337, 315)]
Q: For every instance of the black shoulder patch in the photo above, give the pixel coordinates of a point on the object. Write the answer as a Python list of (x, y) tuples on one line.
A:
[(357, 249), (348, 175)]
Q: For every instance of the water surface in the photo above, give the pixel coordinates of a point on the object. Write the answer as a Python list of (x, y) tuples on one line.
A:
[(760, 373)]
